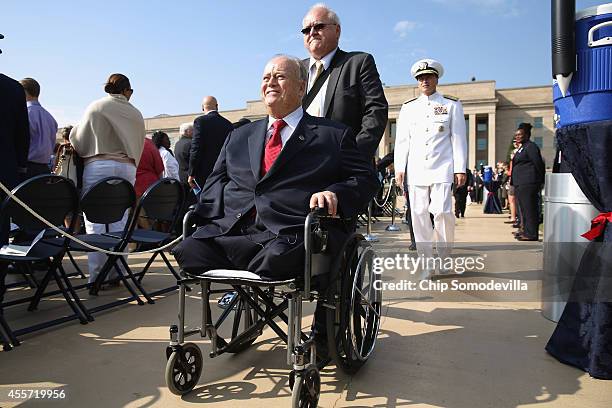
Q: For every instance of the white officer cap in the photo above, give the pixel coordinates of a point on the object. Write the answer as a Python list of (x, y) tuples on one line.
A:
[(427, 66)]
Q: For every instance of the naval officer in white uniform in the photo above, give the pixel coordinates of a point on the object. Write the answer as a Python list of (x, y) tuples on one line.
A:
[(431, 145)]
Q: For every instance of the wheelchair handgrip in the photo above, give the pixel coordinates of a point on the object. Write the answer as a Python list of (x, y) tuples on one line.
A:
[(321, 212)]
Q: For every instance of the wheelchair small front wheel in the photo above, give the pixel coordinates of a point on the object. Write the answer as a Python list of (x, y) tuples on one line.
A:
[(307, 388), (184, 368)]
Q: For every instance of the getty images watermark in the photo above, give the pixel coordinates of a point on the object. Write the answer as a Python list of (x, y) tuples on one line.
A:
[(426, 267)]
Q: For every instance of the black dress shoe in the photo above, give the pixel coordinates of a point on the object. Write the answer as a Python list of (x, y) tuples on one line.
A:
[(509, 222), (524, 238), (515, 225)]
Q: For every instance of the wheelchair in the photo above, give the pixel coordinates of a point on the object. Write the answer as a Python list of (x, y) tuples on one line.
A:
[(352, 305)]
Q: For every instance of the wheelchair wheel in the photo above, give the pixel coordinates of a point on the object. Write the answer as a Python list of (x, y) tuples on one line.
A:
[(184, 368), (353, 325), (306, 389), (236, 313)]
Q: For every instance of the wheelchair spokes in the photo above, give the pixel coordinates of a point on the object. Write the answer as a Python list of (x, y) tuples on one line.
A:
[(364, 312)]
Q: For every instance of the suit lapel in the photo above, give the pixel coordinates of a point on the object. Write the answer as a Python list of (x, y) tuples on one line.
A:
[(300, 138), (256, 147), (336, 67)]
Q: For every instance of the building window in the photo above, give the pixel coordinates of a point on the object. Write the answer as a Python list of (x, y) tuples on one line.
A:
[(538, 123), (482, 138)]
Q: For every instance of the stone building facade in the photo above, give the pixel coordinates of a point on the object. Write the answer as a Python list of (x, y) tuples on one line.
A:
[(491, 116)]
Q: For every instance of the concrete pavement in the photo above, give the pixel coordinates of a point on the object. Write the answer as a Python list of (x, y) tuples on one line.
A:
[(458, 348)]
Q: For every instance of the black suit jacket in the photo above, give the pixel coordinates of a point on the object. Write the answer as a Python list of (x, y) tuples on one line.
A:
[(320, 155), (14, 139), (181, 153), (355, 97), (527, 165), (209, 133), (14, 131)]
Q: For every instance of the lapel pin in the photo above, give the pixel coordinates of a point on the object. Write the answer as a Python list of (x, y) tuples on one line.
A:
[(301, 137)]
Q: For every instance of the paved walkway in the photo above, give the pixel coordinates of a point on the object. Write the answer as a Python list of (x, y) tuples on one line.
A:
[(461, 349)]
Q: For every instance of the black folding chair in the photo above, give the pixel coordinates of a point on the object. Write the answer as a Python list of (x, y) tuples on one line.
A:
[(162, 204), (105, 203), (52, 197)]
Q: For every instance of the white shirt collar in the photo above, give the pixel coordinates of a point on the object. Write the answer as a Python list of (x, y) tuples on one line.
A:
[(326, 60), (292, 119), (434, 96)]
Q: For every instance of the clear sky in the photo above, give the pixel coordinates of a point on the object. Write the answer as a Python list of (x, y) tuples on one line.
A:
[(175, 52)]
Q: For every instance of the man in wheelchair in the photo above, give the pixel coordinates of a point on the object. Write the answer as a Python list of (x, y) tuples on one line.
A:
[(268, 176)]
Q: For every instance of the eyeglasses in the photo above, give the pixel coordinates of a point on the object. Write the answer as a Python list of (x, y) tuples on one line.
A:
[(316, 27)]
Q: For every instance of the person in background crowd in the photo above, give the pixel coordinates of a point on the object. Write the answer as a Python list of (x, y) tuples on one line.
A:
[(461, 195), (527, 178), (43, 129), (181, 150), (209, 133), (342, 86), (14, 143), (171, 167), (67, 162), (512, 205), (110, 139), (502, 178), (477, 185), (241, 122), (431, 145), (150, 169)]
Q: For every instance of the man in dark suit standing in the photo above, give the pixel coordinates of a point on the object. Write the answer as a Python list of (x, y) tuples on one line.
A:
[(182, 149), (209, 133), (14, 147), (268, 176), (342, 86), (14, 138)]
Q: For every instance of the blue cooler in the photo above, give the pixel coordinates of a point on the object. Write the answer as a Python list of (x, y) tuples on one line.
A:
[(589, 96), (487, 174)]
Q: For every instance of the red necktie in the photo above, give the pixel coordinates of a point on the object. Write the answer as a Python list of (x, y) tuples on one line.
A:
[(273, 147)]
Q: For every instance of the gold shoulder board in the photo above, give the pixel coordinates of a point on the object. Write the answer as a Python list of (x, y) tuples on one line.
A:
[(451, 97), (410, 100)]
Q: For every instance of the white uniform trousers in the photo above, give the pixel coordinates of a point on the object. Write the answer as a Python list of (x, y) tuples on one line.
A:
[(434, 199), (93, 172)]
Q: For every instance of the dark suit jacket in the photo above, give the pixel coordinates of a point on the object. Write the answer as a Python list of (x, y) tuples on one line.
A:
[(320, 155), (181, 153), (14, 138), (209, 133), (527, 165), (356, 98), (14, 131)]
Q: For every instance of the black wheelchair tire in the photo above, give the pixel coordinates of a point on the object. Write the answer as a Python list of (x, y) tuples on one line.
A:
[(306, 389), (184, 363)]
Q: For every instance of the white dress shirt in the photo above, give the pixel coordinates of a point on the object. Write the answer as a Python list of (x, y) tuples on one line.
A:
[(292, 120), (171, 167), (319, 100)]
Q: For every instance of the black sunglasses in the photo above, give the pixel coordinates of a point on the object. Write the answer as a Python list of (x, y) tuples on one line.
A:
[(317, 27)]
